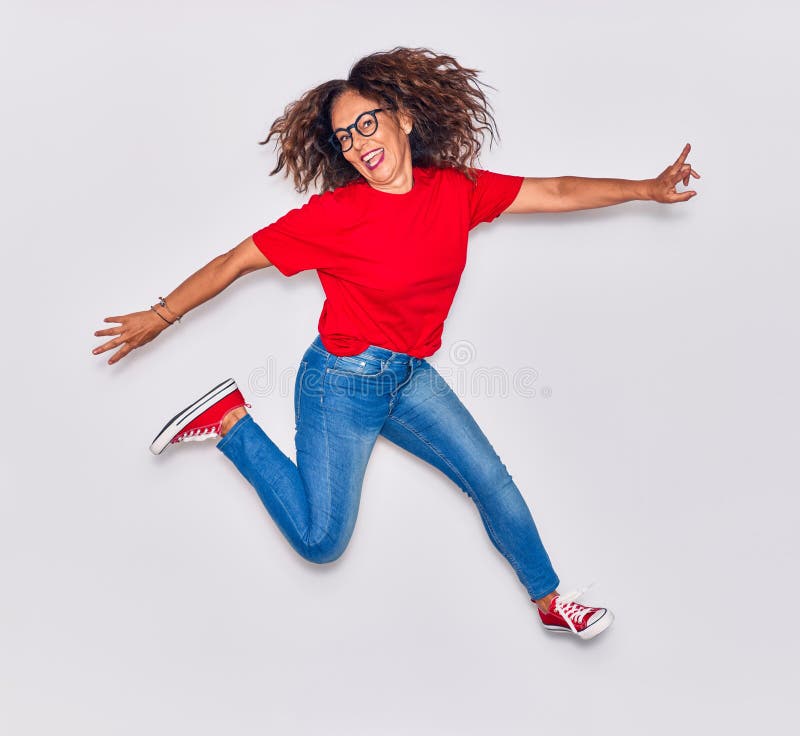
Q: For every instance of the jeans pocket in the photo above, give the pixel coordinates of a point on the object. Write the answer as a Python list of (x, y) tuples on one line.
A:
[(298, 389), (362, 364)]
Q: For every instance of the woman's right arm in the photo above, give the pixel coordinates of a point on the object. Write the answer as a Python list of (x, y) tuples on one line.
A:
[(138, 328)]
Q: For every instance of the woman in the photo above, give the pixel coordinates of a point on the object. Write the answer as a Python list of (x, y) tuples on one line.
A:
[(394, 147)]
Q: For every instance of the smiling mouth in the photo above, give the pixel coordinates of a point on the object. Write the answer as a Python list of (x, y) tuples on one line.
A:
[(373, 158)]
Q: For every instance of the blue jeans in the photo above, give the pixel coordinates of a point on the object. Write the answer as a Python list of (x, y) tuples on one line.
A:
[(342, 404)]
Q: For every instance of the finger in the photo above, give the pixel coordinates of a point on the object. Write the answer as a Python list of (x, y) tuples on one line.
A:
[(689, 173), (108, 346), (109, 331), (683, 172), (683, 196), (684, 153), (113, 319), (119, 355), (678, 175)]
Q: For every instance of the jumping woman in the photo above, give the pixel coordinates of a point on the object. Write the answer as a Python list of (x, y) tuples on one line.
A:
[(393, 150)]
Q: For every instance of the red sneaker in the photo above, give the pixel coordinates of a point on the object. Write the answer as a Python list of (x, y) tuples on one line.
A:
[(201, 419), (567, 616)]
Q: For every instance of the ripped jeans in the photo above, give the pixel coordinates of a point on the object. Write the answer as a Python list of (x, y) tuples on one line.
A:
[(342, 404)]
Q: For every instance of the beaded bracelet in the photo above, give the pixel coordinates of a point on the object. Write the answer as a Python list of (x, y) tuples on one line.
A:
[(162, 302)]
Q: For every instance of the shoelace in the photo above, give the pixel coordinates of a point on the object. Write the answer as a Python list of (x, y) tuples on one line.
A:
[(203, 433), (569, 610)]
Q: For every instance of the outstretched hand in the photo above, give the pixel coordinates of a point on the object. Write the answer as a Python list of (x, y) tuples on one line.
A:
[(662, 188), (134, 330)]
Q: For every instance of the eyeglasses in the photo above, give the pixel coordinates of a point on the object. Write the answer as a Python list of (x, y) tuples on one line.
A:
[(366, 124)]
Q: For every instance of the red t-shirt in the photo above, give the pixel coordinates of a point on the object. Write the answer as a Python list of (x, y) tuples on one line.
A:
[(389, 264)]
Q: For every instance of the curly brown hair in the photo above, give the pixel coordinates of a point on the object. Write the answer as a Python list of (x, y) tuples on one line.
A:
[(445, 100)]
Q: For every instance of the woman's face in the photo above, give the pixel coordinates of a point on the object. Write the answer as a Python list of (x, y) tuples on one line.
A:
[(383, 158)]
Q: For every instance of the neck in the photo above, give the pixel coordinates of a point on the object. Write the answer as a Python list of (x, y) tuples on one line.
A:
[(400, 184)]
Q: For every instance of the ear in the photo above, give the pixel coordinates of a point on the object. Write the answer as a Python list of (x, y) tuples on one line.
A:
[(405, 120)]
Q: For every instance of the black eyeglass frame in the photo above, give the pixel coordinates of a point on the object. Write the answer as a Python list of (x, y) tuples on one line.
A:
[(334, 141)]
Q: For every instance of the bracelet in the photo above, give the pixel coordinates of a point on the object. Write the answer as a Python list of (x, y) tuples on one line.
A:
[(162, 302), (161, 315)]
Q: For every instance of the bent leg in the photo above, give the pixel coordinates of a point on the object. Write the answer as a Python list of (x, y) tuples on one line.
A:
[(430, 421), (314, 501)]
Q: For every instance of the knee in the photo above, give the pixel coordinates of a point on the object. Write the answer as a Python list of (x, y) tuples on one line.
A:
[(322, 557), (499, 489), (493, 479), (327, 549)]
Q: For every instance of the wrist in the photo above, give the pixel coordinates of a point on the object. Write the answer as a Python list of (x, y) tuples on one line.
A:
[(159, 318), (164, 306), (644, 189)]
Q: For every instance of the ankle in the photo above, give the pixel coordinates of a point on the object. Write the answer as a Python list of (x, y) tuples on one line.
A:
[(544, 603), (230, 418)]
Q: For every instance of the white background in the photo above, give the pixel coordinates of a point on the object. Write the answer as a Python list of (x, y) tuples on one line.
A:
[(154, 595)]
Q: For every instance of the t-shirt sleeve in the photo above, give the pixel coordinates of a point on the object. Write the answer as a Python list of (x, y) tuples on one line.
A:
[(491, 195), (304, 238)]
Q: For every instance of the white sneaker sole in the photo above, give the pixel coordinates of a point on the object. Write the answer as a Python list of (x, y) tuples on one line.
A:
[(598, 627), (183, 417)]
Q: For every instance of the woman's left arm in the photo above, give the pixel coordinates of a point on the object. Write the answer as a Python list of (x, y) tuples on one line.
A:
[(567, 193)]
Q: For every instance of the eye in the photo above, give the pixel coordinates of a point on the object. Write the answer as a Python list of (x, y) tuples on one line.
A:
[(366, 124), (343, 138)]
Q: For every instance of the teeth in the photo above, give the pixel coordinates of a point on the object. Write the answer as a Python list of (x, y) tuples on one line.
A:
[(373, 154)]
